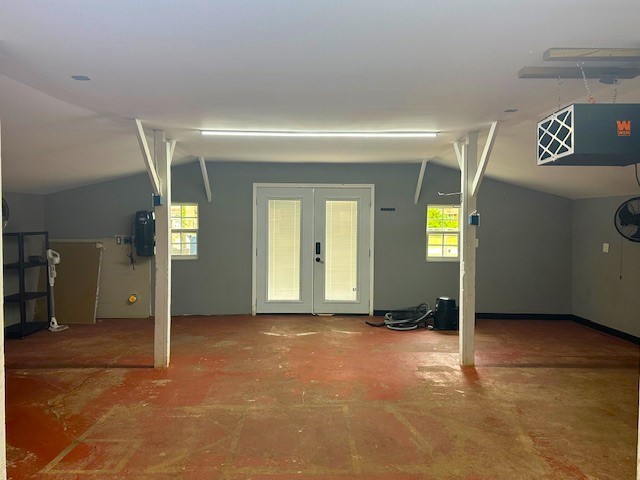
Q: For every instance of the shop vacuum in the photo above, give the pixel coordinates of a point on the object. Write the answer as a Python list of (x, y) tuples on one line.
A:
[(443, 317)]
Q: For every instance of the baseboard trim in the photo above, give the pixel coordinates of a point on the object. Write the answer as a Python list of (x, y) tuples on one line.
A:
[(603, 328), (523, 316), (507, 316), (548, 316)]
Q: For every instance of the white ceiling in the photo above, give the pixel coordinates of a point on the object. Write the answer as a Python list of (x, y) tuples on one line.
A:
[(285, 64)]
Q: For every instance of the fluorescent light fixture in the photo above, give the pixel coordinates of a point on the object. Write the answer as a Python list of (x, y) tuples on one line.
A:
[(319, 134)]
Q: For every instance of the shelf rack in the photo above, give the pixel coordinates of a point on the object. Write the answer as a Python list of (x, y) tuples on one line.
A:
[(22, 297)]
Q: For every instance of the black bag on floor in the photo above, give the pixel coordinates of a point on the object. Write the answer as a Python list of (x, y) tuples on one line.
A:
[(445, 316)]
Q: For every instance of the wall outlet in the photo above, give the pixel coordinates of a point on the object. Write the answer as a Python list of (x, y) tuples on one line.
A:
[(605, 248), (124, 240)]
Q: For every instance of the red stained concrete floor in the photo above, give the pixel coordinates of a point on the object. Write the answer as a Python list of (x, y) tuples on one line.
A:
[(326, 398)]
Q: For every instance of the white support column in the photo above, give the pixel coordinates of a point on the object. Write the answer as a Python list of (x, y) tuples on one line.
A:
[(146, 156), (484, 160), (469, 156), (162, 328), (420, 180), (3, 430), (205, 178)]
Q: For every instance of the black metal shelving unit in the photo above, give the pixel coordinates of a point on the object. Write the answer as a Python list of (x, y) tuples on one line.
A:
[(22, 297)]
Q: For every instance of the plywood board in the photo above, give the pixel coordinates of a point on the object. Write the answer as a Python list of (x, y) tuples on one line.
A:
[(119, 280), (76, 286)]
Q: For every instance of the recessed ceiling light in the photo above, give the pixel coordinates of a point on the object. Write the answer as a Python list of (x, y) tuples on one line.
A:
[(511, 110), (325, 134), (81, 78)]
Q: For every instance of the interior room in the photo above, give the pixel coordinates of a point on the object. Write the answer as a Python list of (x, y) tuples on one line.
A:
[(321, 240)]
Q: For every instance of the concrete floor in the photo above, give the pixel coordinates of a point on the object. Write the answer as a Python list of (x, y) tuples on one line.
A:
[(326, 398)]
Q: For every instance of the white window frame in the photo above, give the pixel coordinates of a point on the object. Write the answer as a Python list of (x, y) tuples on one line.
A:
[(181, 230), (442, 231)]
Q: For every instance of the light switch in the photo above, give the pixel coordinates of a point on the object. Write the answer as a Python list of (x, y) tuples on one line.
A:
[(605, 248)]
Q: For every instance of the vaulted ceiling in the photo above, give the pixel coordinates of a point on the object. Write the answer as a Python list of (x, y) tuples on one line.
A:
[(283, 64)]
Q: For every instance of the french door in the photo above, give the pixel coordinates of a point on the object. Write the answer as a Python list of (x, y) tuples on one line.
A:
[(312, 247)]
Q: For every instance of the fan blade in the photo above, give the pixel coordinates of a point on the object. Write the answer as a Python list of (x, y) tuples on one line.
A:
[(627, 217)]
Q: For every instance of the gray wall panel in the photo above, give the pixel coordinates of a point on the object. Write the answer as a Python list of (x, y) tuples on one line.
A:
[(524, 261), (605, 286), (100, 210), (524, 254), (27, 212)]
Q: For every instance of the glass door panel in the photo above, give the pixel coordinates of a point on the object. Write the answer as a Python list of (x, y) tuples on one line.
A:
[(284, 255), (342, 275), (312, 250), (341, 258), (283, 262)]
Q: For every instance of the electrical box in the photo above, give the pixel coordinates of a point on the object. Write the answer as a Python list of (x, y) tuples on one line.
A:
[(590, 134), (145, 229)]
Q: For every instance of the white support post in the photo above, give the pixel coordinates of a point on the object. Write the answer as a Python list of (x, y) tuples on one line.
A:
[(162, 327), (420, 179), (205, 178), (484, 160), (456, 147), (146, 156), (3, 432), (469, 156)]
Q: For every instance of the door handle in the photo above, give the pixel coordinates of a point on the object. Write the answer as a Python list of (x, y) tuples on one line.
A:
[(317, 248)]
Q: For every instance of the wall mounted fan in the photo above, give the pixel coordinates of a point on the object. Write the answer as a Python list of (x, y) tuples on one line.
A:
[(627, 219), (5, 213)]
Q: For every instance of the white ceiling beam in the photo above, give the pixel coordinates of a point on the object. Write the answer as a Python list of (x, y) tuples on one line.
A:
[(420, 179), (205, 178), (593, 54), (456, 147), (172, 150), (484, 160), (146, 156)]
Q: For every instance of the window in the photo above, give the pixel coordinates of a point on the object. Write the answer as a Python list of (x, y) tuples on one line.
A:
[(443, 232), (184, 230)]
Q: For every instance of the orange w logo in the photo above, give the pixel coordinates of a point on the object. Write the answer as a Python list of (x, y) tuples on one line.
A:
[(624, 128)]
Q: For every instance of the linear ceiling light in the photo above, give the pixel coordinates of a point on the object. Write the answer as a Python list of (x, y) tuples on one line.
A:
[(307, 133)]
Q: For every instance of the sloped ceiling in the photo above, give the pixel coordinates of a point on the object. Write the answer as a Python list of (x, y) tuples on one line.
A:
[(285, 64)]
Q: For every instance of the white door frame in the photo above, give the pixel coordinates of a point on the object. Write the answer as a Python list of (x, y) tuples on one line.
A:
[(371, 187)]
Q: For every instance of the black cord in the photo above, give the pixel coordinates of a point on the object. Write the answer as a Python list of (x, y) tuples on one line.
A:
[(132, 260), (637, 179)]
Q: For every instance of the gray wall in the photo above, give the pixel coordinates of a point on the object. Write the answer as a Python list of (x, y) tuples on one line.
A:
[(524, 254), (605, 286), (100, 210), (27, 212), (524, 259)]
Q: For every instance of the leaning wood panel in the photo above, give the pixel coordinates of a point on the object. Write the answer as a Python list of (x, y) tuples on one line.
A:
[(76, 286)]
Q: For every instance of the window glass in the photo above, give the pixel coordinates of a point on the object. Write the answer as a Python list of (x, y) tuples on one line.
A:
[(184, 230), (443, 232)]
